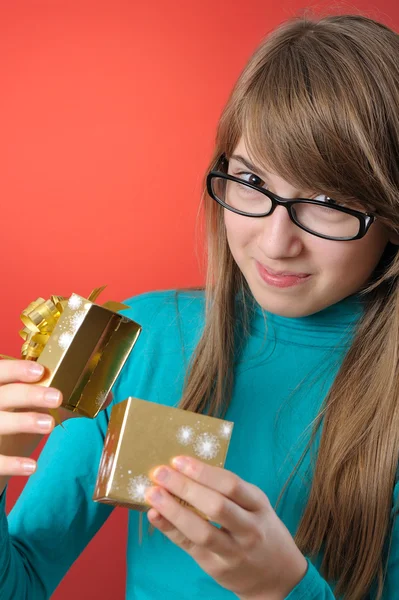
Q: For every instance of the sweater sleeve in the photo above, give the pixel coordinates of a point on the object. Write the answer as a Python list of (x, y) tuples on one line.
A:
[(311, 587), (54, 518)]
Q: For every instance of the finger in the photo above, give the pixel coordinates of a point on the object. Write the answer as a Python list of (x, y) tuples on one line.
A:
[(217, 507), (225, 482), (25, 395), (15, 465), (25, 422), (176, 536), (198, 531), (20, 370), (200, 555)]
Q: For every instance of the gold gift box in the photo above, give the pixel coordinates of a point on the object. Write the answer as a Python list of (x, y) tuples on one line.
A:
[(85, 353), (143, 435)]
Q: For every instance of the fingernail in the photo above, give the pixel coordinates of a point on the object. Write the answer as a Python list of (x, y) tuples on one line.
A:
[(154, 495), (52, 397), (44, 423), (28, 466), (161, 474), (35, 369), (181, 463)]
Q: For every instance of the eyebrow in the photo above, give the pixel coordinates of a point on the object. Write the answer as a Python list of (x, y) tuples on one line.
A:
[(248, 164), (259, 171)]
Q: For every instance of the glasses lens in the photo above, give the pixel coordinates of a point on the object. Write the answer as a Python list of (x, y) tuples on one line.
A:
[(326, 220), (240, 196), (322, 220)]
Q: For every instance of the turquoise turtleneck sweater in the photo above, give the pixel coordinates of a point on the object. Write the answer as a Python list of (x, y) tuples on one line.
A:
[(55, 517)]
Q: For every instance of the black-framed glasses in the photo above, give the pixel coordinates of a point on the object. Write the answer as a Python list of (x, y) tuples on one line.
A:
[(325, 219)]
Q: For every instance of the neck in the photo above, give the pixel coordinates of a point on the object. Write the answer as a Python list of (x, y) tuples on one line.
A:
[(332, 325)]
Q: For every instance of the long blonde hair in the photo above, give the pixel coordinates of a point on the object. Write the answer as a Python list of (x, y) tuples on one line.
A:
[(318, 103)]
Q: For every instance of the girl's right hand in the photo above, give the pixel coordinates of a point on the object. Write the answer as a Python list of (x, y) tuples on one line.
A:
[(24, 417)]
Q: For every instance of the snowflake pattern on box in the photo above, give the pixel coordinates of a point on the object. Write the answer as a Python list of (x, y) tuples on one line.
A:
[(137, 487), (225, 430), (65, 339), (206, 445), (77, 319), (185, 435), (74, 302)]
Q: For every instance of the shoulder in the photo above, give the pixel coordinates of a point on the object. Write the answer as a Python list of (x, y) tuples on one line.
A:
[(172, 322), (164, 307)]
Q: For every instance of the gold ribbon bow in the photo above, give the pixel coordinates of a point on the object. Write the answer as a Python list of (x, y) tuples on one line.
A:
[(41, 316), (40, 319)]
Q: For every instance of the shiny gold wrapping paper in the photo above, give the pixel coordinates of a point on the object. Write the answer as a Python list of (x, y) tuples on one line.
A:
[(142, 435), (85, 353)]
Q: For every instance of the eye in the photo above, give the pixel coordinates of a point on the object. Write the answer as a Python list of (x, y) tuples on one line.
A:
[(250, 178), (324, 198)]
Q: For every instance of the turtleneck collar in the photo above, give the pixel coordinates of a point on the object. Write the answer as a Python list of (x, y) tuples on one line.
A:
[(331, 326)]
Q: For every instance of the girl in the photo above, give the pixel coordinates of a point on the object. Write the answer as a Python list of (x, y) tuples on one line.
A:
[(295, 338)]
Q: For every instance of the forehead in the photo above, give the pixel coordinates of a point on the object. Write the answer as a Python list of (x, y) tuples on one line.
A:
[(241, 149), (262, 169)]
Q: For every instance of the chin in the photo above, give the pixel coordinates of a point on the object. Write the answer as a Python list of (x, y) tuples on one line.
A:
[(287, 307)]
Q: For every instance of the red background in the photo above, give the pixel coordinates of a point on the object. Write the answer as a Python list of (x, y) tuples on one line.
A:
[(108, 112)]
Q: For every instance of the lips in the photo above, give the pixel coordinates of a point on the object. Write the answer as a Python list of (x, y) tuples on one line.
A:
[(283, 273), (281, 279)]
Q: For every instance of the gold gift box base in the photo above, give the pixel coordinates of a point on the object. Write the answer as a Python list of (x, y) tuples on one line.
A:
[(143, 435), (85, 354)]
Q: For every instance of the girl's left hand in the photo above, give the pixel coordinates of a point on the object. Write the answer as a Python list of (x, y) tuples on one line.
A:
[(252, 554)]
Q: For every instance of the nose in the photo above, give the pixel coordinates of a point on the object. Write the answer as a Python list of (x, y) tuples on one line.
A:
[(280, 237)]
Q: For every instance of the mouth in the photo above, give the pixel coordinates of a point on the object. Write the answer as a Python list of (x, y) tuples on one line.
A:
[(281, 279), (282, 273)]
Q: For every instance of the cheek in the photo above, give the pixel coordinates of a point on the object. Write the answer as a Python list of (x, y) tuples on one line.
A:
[(239, 230), (353, 260)]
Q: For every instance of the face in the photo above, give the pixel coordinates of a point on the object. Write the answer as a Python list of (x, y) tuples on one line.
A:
[(304, 273)]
